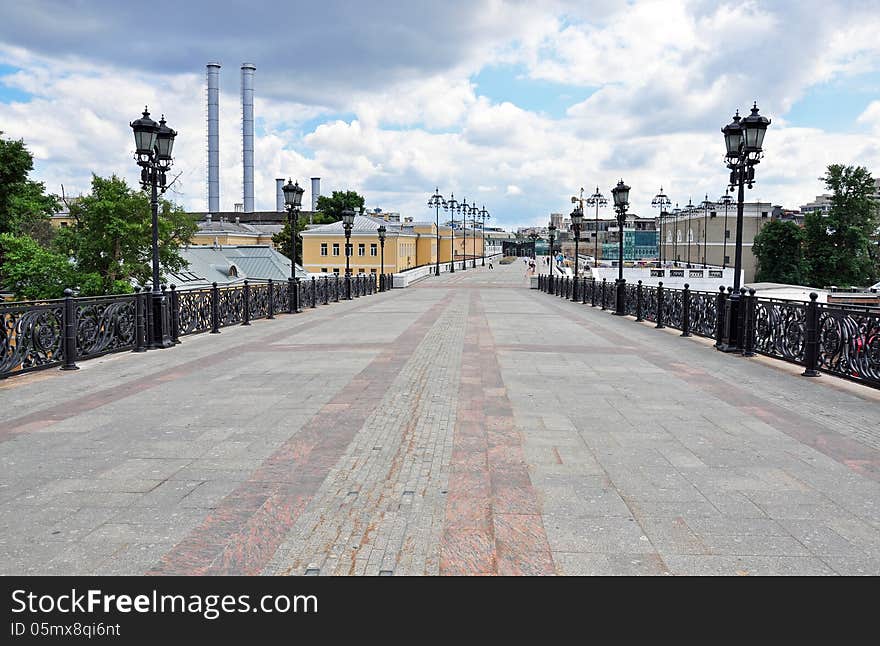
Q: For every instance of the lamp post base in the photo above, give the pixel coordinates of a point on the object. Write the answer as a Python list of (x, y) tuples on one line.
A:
[(161, 337), (730, 338), (620, 305)]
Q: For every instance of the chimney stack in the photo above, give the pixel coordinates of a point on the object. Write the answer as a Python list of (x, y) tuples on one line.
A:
[(316, 192), (247, 134), (279, 195), (213, 74)]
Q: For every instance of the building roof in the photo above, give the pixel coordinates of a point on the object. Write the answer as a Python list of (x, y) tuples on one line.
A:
[(231, 264)]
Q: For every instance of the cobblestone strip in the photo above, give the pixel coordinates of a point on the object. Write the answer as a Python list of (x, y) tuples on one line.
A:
[(380, 510), (244, 531), (493, 518)]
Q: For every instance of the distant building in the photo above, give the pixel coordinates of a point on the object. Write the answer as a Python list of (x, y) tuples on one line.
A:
[(230, 265)]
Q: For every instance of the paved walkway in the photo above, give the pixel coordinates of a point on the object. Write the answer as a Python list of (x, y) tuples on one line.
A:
[(467, 425)]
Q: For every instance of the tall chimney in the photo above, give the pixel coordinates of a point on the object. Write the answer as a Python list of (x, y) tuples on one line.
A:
[(247, 134), (316, 192), (213, 73), (279, 194)]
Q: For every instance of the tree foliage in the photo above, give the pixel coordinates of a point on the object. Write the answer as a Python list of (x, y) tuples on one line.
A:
[(333, 206), (839, 246), (779, 249), (24, 206), (31, 272), (111, 235)]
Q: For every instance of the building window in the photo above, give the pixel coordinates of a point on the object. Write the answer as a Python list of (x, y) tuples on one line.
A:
[(323, 270), (323, 248), (362, 250), (764, 214), (348, 249), (373, 271), (336, 270), (727, 233), (335, 248), (374, 251), (726, 260)]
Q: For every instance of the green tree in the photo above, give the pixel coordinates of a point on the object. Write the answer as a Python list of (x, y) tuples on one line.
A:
[(111, 236), (30, 271), (333, 206), (779, 249), (839, 246), (24, 205)]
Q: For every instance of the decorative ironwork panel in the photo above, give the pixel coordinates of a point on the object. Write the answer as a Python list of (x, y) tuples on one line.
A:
[(231, 306), (673, 308), (704, 313), (630, 298), (195, 311), (30, 335), (104, 324), (310, 293), (849, 343), (281, 297), (781, 329), (649, 303), (259, 301)]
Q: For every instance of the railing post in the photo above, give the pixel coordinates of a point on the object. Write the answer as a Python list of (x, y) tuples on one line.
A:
[(584, 290), (660, 324), (639, 302), (139, 314), (246, 315), (742, 320), (68, 347), (271, 303), (148, 315), (603, 293), (720, 312), (215, 309), (749, 332), (686, 311), (175, 315), (314, 293), (592, 292), (811, 346)]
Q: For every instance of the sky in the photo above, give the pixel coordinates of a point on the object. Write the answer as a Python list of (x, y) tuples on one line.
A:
[(512, 105)]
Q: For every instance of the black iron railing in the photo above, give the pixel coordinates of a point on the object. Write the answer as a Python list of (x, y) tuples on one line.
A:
[(835, 339), (41, 334)]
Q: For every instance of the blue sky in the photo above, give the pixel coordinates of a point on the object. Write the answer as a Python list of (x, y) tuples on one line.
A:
[(518, 104)]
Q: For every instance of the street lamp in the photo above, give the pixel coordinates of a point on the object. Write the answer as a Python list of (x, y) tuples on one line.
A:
[(621, 201), (690, 209), (153, 145), (577, 219), (551, 233), (463, 209), (436, 201), (597, 200), (292, 201), (484, 215), (744, 140), (382, 232), (705, 204), (676, 213), (347, 223), (451, 206), (661, 201), (534, 238), (726, 200), (474, 213)]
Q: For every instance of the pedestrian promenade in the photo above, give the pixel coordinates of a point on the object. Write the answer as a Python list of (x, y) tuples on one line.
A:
[(465, 425)]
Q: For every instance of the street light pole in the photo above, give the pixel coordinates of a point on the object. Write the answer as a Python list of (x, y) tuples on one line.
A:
[(436, 201), (706, 204), (153, 145), (293, 200), (676, 212), (661, 201), (551, 233), (577, 218), (484, 215), (451, 206), (463, 210), (690, 208), (726, 199), (743, 139), (381, 232), (621, 200), (597, 200), (347, 223)]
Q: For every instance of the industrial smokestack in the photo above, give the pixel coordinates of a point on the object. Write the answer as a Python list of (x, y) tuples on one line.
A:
[(247, 134), (213, 73), (279, 194), (316, 191)]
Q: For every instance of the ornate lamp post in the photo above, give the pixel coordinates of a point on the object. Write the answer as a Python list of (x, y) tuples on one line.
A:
[(382, 232), (534, 238), (484, 215), (706, 204), (577, 219), (347, 223), (451, 206), (621, 201), (153, 145), (726, 200), (292, 201), (744, 140), (463, 209), (597, 200), (690, 210), (474, 213), (661, 201), (436, 201), (551, 233), (676, 212)]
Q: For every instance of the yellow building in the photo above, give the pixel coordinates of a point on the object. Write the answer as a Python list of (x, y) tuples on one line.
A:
[(407, 245), (225, 233)]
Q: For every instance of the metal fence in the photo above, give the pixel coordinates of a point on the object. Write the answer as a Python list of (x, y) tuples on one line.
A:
[(838, 340), (42, 334)]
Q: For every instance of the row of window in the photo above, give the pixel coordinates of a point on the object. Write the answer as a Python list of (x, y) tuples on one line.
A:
[(360, 272), (362, 250)]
